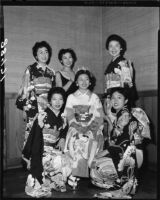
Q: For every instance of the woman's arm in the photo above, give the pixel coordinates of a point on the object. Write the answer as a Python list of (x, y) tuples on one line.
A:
[(28, 161), (59, 82), (110, 124), (24, 91)]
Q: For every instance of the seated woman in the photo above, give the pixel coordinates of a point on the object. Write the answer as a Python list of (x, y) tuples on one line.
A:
[(115, 168), (84, 113), (48, 167)]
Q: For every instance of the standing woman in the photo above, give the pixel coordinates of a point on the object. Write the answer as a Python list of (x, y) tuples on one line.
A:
[(119, 72), (65, 77), (37, 80)]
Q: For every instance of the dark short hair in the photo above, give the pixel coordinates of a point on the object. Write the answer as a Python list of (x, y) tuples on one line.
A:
[(125, 91), (92, 78), (119, 39), (41, 44), (121, 90), (56, 90), (71, 51)]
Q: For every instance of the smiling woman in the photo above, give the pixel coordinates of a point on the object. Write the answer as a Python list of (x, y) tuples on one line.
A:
[(37, 80), (65, 77)]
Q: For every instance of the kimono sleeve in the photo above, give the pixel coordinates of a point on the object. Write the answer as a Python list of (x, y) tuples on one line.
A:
[(98, 109), (69, 111), (23, 92), (63, 132)]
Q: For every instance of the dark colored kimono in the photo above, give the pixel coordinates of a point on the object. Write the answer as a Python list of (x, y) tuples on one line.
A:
[(118, 73), (115, 168), (32, 97), (46, 169)]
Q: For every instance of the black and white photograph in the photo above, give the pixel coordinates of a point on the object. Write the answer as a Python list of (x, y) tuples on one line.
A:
[(79, 99)]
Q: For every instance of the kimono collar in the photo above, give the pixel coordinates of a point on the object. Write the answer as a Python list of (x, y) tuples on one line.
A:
[(78, 93), (56, 114), (119, 58), (120, 112), (39, 66)]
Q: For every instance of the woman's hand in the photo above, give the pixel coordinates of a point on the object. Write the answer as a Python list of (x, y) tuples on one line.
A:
[(61, 144), (129, 83), (107, 105), (89, 163), (28, 162)]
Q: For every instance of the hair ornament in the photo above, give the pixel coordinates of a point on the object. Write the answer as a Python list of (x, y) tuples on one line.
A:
[(82, 68)]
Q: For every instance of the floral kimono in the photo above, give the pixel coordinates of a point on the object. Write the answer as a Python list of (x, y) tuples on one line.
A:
[(32, 97), (49, 166), (84, 138), (118, 73), (115, 168)]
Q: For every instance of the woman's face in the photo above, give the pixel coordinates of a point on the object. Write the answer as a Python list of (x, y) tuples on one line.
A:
[(57, 101), (42, 55), (114, 48), (83, 81), (118, 101), (67, 59)]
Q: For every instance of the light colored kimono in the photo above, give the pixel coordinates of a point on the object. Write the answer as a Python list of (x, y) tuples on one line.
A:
[(84, 138)]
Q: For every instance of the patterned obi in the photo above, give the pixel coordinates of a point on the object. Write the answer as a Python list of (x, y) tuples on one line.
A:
[(119, 77), (82, 113), (42, 85), (103, 172), (50, 136)]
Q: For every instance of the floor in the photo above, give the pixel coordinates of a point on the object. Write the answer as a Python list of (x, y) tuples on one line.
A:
[(14, 183)]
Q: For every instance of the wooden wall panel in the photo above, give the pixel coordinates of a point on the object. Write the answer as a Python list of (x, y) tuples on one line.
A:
[(148, 102), (139, 26), (79, 28), (14, 132)]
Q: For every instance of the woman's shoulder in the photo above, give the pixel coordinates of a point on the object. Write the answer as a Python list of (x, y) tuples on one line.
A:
[(72, 95), (58, 72), (94, 95), (31, 66), (51, 70)]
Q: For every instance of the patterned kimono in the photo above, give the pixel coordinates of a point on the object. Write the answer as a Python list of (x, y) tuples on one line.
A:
[(49, 166), (84, 138), (115, 168), (32, 97), (118, 73)]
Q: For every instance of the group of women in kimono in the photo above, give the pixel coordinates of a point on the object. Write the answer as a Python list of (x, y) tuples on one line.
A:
[(65, 138)]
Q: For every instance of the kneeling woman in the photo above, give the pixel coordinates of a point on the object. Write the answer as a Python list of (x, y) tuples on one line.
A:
[(84, 113), (48, 167), (115, 168)]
